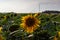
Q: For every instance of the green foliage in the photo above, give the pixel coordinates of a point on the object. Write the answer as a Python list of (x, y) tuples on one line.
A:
[(49, 26)]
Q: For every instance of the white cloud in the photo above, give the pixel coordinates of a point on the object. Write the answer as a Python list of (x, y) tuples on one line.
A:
[(18, 6), (28, 5)]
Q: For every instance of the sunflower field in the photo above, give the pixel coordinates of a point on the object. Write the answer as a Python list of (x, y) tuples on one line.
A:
[(29, 26)]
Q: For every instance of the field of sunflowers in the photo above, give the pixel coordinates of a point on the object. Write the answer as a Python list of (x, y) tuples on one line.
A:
[(31, 26)]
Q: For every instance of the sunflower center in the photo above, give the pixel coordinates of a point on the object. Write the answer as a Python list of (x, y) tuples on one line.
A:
[(30, 22)]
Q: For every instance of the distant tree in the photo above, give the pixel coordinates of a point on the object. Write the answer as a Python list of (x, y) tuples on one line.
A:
[(48, 11)]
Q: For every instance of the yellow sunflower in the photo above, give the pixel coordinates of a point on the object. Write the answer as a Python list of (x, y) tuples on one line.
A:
[(58, 34), (1, 37), (4, 17), (30, 23), (55, 38), (1, 29)]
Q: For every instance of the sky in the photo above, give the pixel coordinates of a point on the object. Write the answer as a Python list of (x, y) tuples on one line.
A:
[(27, 6)]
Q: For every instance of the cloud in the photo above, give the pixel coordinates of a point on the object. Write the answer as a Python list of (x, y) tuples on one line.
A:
[(18, 6), (28, 5)]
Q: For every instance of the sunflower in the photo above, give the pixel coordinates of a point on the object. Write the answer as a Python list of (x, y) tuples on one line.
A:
[(58, 34), (1, 29), (55, 38), (30, 23), (1, 38), (4, 17)]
